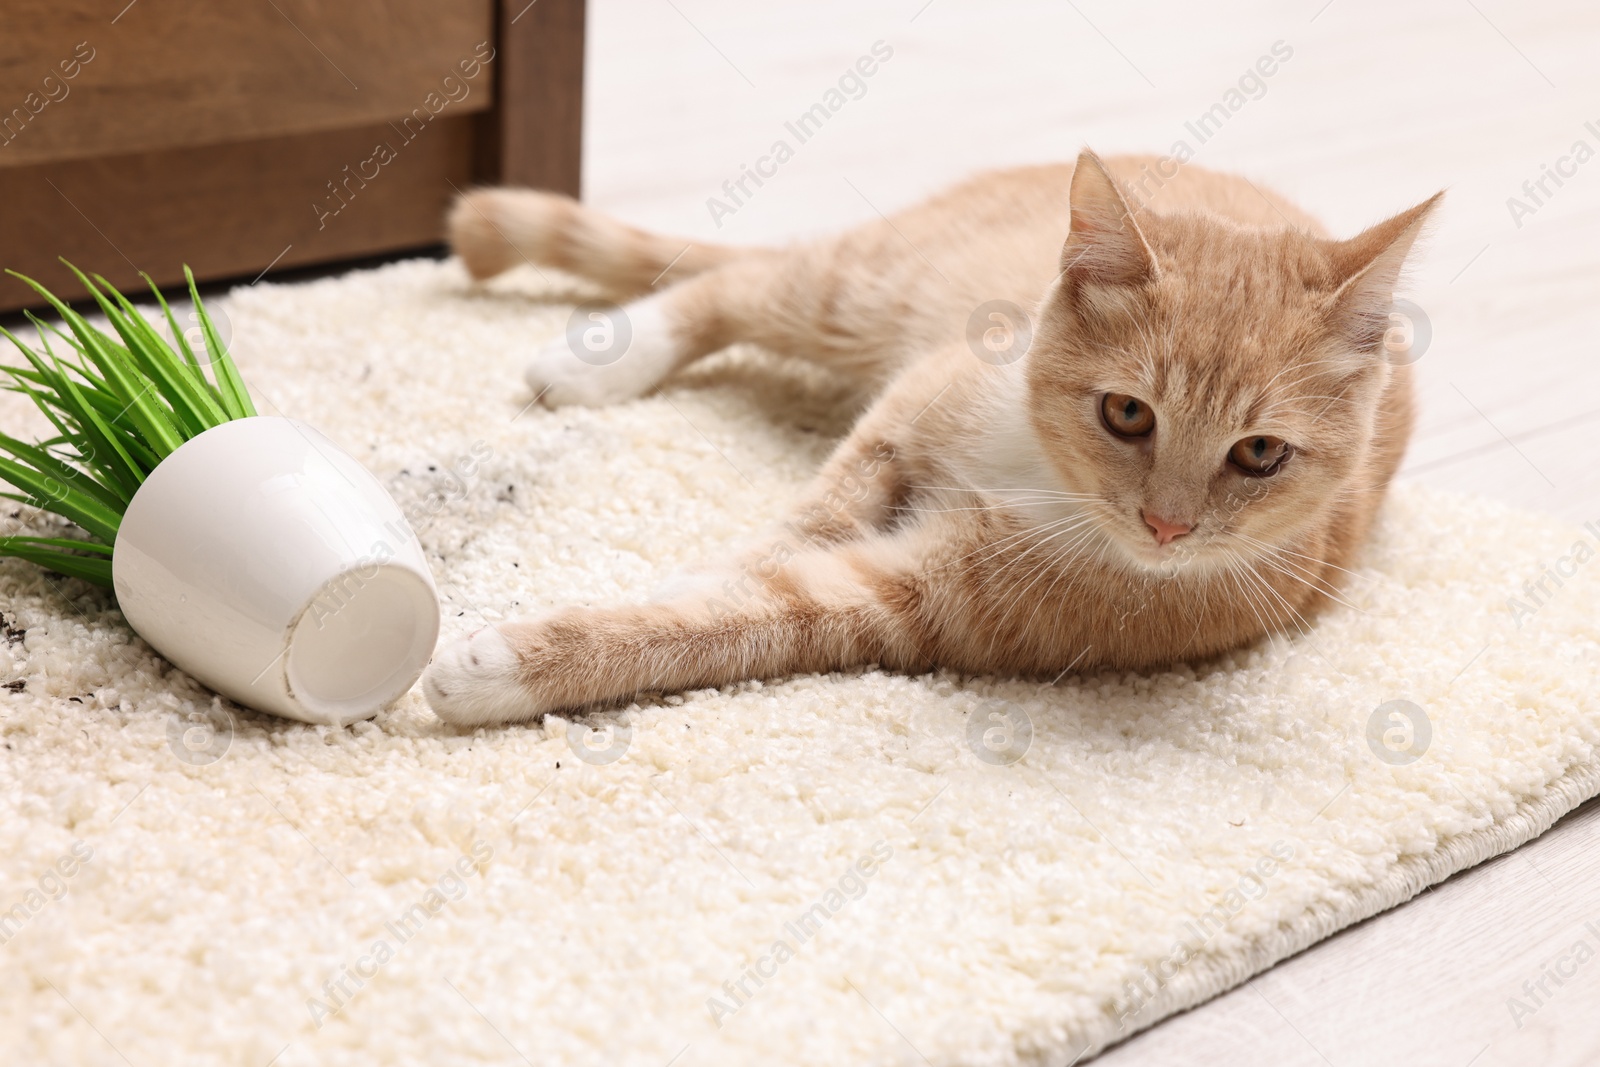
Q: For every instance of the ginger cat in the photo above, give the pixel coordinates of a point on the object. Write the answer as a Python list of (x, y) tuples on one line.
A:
[(1180, 450)]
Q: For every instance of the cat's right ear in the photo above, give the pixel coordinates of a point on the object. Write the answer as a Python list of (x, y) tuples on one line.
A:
[(1105, 245), (1367, 268)]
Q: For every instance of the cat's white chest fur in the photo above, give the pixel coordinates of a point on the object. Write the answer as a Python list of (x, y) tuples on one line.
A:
[(1003, 462)]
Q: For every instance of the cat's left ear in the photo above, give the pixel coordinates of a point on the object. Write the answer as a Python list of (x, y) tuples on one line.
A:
[(1367, 268), (1104, 245)]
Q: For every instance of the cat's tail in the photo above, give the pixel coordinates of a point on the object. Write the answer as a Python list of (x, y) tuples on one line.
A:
[(493, 230)]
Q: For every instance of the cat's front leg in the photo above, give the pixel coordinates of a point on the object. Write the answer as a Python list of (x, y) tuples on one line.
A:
[(826, 588), (822, 609)]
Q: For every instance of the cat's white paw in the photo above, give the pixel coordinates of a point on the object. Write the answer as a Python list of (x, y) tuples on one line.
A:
[(606, 356), (559, 379), (478, 680)]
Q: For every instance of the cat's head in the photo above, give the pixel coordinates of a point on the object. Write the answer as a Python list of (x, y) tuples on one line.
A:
[(1212, 388)]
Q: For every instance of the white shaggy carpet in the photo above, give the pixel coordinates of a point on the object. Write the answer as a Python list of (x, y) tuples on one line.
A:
[(169, 894)]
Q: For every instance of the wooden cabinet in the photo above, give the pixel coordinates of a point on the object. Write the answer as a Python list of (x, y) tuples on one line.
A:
[(246, 136)]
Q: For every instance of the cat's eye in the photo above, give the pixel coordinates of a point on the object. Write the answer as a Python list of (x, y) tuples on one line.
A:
[(1258, 455), (1126, 416)]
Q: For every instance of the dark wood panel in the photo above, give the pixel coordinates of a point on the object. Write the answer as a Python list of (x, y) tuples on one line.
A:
[(167, 73), (231, 210), (534, 136), (365, 170)]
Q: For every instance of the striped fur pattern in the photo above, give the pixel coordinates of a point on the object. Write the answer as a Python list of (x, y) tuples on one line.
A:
[(983, 516)]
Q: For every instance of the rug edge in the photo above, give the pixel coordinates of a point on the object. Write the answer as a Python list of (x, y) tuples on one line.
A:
[(1209, 978)]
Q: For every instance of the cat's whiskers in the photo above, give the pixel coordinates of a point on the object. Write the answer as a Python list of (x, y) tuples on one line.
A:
[(1267, 550), (1235, 575), (1266, 546), (1039, 555), (1021, 544), (1279, 567), (994, 548), (1298, 572), (1199, 616), (1061, 572), (1078, 507), (1078, 534), (1265, 588), (1033, 506), (1053, 563), (997, 506), (1038, 489)]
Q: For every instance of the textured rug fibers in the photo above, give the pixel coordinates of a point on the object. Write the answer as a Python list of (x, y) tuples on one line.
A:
[(861, 868)]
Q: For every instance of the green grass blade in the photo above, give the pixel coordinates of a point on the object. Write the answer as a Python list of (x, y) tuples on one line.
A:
[(107, 451), (142, 456), (92, 440), (152, 419), (189, 408), (105, 398), (44, 401), (63, 499), (192, 402), (196, 368), (82, 441), (235, 397), (63, 472), (89, 568), (46, 329), (177, 334), (24, 374), (94, 548), (78, 366), (150, 373), (52, 368), (59, 392), (121, 375), (38, 361)]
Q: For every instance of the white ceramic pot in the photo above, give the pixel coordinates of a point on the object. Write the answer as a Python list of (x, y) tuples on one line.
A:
[(268, 564)]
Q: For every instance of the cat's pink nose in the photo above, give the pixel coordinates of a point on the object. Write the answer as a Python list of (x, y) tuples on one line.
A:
[(1166, 532)]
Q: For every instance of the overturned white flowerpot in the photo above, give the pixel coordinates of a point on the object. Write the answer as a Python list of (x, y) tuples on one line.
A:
[(268, 564)]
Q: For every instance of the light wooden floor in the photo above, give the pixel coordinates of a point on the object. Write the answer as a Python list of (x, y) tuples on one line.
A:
[(1379, 105)]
